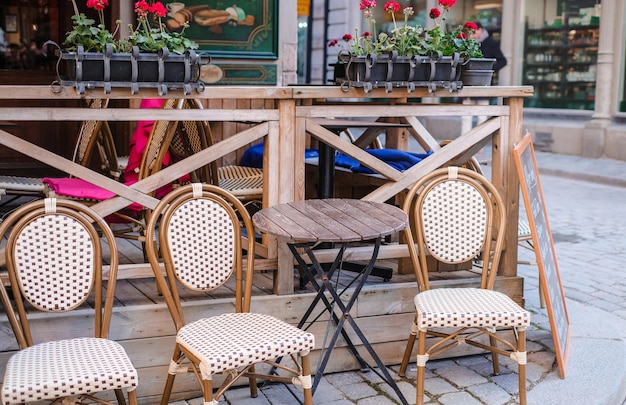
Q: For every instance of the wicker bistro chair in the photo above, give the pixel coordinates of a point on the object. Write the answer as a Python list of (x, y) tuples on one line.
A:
[(244, 182), (93, 135), (54, 261), (456, 214), (200, 239), (151, 162)]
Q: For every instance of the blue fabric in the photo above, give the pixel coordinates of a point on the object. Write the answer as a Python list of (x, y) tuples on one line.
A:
[(253, 156), (398, 159)]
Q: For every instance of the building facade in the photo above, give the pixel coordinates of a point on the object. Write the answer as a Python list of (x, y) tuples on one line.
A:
[(571, 51)]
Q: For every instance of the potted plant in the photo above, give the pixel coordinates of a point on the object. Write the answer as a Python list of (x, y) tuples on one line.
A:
[(475, 69), (151, 56), (409, 56)]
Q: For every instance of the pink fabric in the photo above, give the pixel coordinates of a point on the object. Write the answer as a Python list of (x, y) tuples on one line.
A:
[(79, 188), (139, 140)]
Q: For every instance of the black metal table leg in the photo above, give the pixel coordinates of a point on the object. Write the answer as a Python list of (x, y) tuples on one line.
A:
[(344, 309)]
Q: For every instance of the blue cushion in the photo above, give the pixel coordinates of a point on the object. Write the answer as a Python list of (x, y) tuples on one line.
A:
[(398, 159), (253, 156)]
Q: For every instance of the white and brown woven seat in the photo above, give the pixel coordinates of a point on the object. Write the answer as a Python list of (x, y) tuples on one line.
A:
[(54, 261), (201, 230), (456, 215)]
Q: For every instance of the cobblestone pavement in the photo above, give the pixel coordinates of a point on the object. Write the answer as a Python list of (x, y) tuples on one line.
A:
[(588, 223)]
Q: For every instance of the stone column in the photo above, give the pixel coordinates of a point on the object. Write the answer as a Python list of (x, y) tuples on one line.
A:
[(595, 130), (512, 41)]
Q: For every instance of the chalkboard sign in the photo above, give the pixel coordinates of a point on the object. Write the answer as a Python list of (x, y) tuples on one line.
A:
[(550, 280)]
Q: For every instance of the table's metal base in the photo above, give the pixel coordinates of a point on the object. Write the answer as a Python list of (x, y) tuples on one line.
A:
[(326, 285)]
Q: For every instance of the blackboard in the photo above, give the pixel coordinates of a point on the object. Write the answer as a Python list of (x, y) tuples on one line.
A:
[(550, 280)]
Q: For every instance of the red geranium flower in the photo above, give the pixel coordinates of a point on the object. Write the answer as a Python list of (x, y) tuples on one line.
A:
[(434, 13), (97, 4), (470, 26), (158, 9), (391, 6), (446, 4), (347, 37)]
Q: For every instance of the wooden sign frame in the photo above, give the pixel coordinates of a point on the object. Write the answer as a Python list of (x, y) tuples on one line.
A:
[(549, 277)]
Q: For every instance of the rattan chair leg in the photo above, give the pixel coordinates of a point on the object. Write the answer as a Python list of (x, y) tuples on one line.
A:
[(171, 376), (494, 356), (306, 370), (119, 394), (254, 391), (207, 391), (132, 397), (421, 369), (521, 368), (407, 355)]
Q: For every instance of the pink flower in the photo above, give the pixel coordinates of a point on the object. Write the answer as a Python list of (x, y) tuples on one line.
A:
[(434, 13), (158, 9), (142, 5), (391, 6), (367, 4)]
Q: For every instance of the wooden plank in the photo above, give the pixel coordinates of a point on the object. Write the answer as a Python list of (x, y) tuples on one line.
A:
[(23, 92), (435, 160), (329, 92), (353, 151), (369, 110)]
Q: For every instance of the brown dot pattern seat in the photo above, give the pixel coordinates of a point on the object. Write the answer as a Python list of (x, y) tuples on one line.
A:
[(234, 340), (468, 307), (67, 368)]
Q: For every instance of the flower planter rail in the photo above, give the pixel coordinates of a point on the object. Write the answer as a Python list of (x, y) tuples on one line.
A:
[(163, 70), (391, 71)]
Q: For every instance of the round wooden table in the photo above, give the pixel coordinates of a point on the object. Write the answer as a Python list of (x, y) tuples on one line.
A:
[(303, 225)]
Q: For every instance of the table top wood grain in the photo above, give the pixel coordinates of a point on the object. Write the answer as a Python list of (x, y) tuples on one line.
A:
[(334, 220)]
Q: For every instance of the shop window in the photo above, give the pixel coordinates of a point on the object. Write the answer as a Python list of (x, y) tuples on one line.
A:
[(25, 26), (561, 54)]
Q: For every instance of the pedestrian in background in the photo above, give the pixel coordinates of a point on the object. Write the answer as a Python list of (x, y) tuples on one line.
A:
[(489, 46)]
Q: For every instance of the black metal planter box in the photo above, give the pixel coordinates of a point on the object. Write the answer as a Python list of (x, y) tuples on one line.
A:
[(162, 70), (477, 71), (391, 71)]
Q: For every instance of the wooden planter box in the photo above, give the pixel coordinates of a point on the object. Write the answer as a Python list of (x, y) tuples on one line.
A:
[(135, 70)]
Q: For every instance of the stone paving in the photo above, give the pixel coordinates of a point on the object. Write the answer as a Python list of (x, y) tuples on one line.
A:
[(588, 223)]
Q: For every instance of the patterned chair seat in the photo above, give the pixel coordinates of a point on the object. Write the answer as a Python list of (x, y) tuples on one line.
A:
[(67, 368), (440, 308), (232, 340)]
